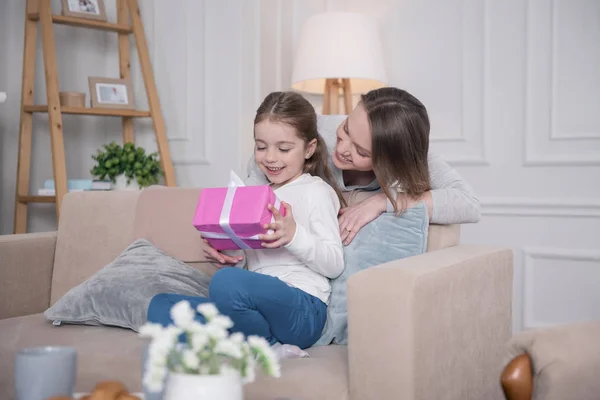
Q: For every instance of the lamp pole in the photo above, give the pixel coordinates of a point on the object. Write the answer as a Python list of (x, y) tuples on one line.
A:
[(331, 99)]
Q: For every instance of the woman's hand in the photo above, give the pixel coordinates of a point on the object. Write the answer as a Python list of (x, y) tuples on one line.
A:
[(217, 258), (284, 228), (353, 218)]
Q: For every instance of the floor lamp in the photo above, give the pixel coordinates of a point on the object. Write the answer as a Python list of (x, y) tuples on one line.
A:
[(338, 54)]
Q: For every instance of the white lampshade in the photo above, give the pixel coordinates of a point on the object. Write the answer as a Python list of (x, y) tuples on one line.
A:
[(339, 45)]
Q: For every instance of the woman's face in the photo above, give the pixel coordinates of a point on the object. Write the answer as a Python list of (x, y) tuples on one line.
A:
[(353, 147)]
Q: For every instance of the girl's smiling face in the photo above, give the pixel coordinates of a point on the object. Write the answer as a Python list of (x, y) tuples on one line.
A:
[(279, 151)]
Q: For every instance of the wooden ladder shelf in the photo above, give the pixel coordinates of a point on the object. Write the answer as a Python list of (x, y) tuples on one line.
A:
[(39, 11)]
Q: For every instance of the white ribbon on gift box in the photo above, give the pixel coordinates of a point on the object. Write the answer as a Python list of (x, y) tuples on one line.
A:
[(224, 222)]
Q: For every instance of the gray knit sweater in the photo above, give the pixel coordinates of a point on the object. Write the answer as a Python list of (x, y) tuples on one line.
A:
[(454, 201)]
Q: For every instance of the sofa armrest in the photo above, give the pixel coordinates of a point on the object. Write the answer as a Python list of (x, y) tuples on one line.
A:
[(26, 263), (431, 326)]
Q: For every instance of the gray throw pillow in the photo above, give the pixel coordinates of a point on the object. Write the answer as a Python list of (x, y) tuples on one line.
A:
[(119, 294), (387, 238)]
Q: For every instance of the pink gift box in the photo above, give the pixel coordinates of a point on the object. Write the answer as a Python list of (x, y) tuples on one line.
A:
[(231, 218)]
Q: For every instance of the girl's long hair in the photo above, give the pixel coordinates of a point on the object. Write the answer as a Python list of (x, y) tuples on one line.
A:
[(400, 140)]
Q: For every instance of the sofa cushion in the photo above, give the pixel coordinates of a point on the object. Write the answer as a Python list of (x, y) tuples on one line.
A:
[(323, 375), (119, 294), (164, 216), (387, 238), (108, 353), (94, 228)]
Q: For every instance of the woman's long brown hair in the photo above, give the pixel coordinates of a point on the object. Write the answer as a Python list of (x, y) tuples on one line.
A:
[(400, 141), (294, 110)]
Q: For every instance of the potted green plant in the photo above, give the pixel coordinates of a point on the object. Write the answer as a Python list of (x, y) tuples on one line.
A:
[(126, 166)]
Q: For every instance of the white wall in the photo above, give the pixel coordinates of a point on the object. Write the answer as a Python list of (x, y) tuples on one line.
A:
[(512, 88), (206, 66)]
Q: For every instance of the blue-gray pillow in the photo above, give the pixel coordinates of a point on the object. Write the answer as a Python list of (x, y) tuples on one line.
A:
[(387, 238), (119, 294)]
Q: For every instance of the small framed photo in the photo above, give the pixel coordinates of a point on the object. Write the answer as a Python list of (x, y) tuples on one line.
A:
[(92, 9), (111, 93)]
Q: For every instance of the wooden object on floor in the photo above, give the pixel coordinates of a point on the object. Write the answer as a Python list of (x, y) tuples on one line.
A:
[(517, 378), (331, 98), (39, 11)]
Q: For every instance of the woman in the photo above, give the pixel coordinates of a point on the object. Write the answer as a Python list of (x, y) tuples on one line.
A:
[(383, 147)]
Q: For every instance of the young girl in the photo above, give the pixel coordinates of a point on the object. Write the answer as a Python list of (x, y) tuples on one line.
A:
[(282, 294)]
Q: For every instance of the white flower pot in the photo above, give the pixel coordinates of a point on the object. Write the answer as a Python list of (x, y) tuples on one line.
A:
[(121, 184), (203, 387)]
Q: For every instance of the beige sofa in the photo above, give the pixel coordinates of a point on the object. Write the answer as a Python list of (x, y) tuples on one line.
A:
[(427, 327)]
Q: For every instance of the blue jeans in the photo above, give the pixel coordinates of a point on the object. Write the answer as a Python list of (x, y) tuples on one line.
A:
[(257, 304)]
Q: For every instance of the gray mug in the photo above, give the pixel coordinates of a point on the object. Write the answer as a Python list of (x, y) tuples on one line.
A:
[(43, 372), (148, 395)]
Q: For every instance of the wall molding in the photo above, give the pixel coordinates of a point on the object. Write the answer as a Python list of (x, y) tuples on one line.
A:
[(467, 161), (529, 255), (555, 134), (185, 138), (574, 136), (279, 47), (552, 253), (480, 158), (183, 135), (201, 150), (447, 139), (540, 207), (559, 160), (530, 157), (191, 161), (250, 98)]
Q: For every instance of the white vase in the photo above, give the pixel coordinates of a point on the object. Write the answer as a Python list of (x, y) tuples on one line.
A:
[(203, 387), (121, 183)]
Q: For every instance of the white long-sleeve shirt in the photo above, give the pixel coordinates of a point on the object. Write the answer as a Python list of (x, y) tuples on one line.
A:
[(315, 253)]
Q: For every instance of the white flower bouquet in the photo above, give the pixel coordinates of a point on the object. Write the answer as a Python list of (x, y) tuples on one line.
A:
[(208, 350)]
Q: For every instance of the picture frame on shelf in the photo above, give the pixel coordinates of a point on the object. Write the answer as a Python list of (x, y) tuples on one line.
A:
[(111, 93), (91, 9)]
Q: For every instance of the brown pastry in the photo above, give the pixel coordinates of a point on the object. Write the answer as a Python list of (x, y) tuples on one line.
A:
[(128, 396), (108, 390), (111, 386), (105, 390)]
